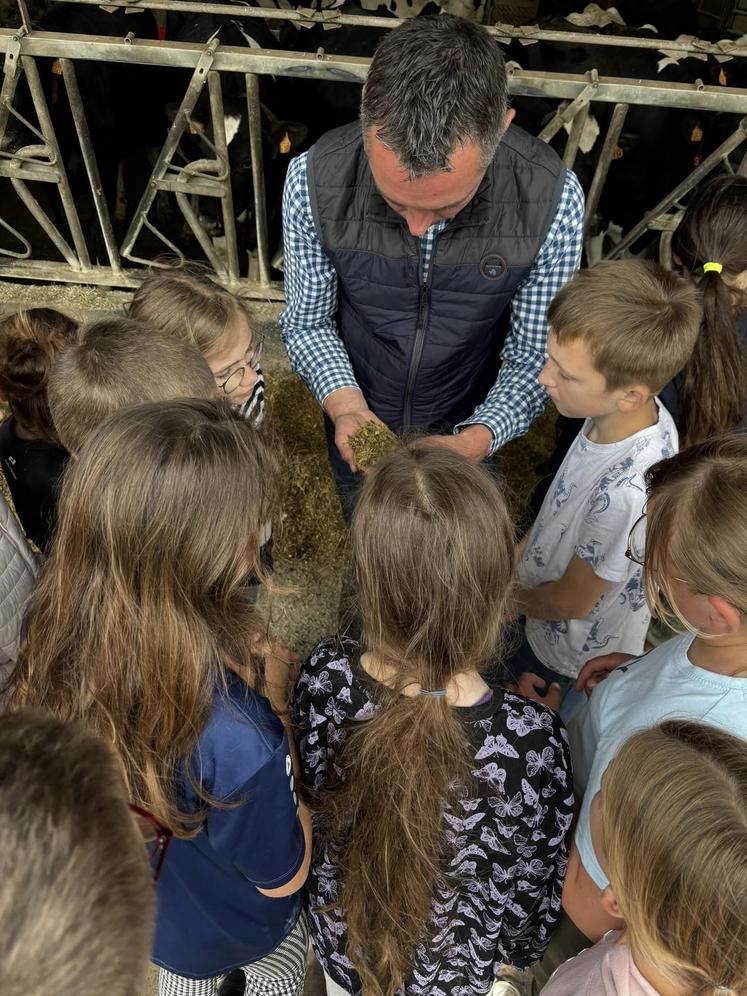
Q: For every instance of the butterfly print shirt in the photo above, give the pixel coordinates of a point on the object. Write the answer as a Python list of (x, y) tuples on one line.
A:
[(506, 836)]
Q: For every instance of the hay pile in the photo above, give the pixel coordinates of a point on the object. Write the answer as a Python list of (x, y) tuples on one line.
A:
[(311, 527), (519, 460)]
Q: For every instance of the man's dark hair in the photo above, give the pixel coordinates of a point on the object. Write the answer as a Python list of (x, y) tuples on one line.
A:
[(434, 83), (76, 894)]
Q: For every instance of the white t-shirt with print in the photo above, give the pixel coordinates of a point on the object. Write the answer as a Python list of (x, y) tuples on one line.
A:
[(592, 504), (664, 684)]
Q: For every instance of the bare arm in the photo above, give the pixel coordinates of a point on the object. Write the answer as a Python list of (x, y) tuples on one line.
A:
[(571, 597)]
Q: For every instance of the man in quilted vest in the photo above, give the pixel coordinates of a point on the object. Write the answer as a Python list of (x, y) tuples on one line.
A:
[(423, 245)]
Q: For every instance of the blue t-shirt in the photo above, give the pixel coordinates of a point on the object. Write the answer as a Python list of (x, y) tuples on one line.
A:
[(211, 917), (664, 684)]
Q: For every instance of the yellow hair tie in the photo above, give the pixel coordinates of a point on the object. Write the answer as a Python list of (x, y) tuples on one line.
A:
[(711, 266)]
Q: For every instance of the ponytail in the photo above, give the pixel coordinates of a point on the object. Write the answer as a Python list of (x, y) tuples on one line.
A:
[(711, 243), (400, 770), (714, 385), (433, 556)]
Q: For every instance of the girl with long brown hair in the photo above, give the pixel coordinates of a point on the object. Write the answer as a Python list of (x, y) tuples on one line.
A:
[(442, 807), (142, 630), (710, 395), (33, 459), (670, 826)]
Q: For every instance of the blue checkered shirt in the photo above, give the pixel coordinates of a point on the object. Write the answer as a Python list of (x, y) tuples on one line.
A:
[(309, 323)]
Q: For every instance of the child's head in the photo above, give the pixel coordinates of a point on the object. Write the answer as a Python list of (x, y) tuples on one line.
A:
[(618, 333), (117, 362), (29, 344), (77, 898), (711, 245), (696, 536), (188, 304), (433, 554), (671, 828), (142, 603)]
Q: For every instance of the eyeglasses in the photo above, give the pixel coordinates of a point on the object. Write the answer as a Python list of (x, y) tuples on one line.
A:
[(636, 549), (236, 376), (156, 837)]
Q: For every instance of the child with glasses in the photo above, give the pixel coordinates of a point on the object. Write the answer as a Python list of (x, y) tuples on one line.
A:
[(141, 629), (618, 332), (695, 574), (187, 303), (77, 901)]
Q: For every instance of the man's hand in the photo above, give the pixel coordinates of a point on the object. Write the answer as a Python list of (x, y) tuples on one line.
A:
[(474, 442), (529, 685), (349, 412), (597, 669)]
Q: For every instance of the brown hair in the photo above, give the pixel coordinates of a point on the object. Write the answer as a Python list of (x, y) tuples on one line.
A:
[(77, 900), (433, 555), (639, 320), (674, 813), (697, 525), (142, 604), (29, 344), (117, 362), (714, 229), (188, 304)]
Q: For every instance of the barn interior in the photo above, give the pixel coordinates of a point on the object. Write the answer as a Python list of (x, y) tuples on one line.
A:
[(640, 167)]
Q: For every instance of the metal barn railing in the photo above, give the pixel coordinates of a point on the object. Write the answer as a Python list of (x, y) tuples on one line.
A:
[(210, 177)]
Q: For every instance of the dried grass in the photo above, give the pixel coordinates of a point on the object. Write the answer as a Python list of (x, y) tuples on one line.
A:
[(372, 442), (311, 527)]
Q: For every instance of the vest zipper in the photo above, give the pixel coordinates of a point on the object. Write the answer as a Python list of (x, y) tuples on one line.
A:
[(417, 349)]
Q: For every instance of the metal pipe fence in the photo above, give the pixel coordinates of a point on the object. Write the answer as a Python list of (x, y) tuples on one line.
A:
[(40, 161)]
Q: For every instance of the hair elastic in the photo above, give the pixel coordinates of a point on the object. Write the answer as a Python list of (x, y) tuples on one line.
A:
[(435, 693), (711, 265)]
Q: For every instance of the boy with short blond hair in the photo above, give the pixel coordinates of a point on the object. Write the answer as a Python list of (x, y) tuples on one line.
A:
[(117, 362), (618, 333)]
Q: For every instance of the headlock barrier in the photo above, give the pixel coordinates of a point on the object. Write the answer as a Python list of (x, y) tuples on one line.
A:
[(119, 263)]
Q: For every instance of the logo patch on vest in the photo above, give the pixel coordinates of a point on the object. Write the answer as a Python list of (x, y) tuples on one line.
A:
[(493, 266)]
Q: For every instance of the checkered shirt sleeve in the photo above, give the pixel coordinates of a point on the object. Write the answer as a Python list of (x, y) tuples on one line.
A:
[(309, 326), (308, 322), (516, 399)]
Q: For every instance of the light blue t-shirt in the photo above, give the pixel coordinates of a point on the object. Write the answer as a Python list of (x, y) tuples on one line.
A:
[(662, 684)]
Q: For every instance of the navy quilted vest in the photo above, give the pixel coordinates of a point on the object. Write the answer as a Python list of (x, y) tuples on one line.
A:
[(426, 356)]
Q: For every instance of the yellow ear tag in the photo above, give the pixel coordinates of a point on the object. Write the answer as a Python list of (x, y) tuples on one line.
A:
[(57, 68), (696, 135), (617, 152), (285, 144), (722, 77)]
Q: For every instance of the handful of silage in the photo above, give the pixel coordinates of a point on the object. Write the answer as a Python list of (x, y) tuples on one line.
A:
[(372, 442)]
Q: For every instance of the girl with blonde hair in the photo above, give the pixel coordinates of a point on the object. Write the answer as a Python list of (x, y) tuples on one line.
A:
[(692, 542), (185, 302), (442, 807), (142, 630), (670, 828)]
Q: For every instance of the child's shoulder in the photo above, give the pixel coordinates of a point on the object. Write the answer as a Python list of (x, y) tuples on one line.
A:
[(243, 721)]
